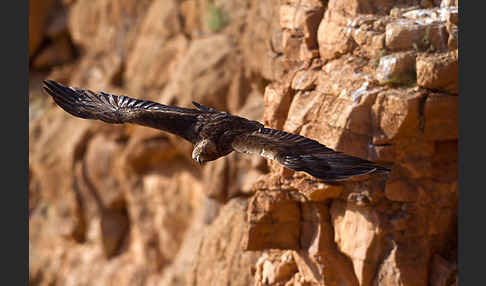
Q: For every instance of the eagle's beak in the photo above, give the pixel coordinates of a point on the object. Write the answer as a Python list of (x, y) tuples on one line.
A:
[(198, 159)]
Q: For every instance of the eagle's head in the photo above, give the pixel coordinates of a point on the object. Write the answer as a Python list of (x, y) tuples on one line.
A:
[(204, 151)]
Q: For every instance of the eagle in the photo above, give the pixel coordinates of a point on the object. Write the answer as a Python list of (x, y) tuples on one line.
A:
[(214, 133)]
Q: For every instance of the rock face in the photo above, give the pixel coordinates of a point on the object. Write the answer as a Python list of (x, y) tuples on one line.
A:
[(126, 205)]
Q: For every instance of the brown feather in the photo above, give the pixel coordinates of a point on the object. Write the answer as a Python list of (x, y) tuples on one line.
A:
[(299, 153), (122, 109)]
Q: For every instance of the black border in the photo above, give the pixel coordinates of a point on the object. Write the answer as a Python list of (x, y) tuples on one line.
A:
[(471, 143), (15, 122)]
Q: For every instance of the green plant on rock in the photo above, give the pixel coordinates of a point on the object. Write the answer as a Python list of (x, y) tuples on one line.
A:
[(215, 18), (408, 80)]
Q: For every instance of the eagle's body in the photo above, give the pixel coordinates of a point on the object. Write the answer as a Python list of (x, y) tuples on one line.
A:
[(213, 133)]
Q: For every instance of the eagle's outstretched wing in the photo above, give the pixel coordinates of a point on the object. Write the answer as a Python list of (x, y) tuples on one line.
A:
[(303, 154), (121, 109)]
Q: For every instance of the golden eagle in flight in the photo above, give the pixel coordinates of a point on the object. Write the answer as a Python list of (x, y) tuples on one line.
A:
[(214, 133)]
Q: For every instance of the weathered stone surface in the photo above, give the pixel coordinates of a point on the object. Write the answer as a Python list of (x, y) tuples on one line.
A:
[(334, 40), (222, 239), (299, 21), (101, 159), (56, 217), (126, 204), (98, 73), (445, 159), (385, 153), (114, 226), (159, 39), (443, 272), (452, 16), (440, 114), (177, 273), (438, 71), (348, 77), (203, 75), (304, 80), (331, 267), (276, 105), (366, 248), (262, 40), (406, 34), (319, 248), (401, 191), (453, 40), (157, 45), (448, 3), (38, 19), (397, 114), (371, 43), (414, 157), (59, 52), (322, 192), (231, 176), (397, 68), (408, 259), (160, 244), (108, 25), (149, 149), (273, 222), (302, 110), (58, 25), (317, 232), (274, 268)]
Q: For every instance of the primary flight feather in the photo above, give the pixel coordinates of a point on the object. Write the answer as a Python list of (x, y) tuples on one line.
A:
[(214, 133)]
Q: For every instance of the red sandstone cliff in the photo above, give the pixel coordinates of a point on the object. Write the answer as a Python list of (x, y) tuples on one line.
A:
[(126, 205)]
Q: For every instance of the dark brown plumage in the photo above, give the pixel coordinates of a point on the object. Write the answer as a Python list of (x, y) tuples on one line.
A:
[(213, 133)]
